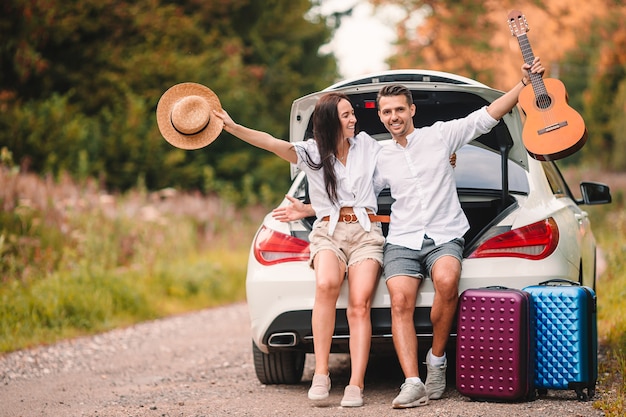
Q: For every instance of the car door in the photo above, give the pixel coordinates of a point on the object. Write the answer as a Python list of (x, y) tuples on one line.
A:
[(583, 246)]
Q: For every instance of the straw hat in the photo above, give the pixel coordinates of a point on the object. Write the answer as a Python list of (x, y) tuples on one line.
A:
[(185, 116)]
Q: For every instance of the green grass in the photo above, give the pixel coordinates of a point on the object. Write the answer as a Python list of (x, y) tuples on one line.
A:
[(609, 227), (77, 261), (67, 304), (610, 231)]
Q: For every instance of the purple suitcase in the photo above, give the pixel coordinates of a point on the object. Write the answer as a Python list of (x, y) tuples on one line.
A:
[(494, 359)]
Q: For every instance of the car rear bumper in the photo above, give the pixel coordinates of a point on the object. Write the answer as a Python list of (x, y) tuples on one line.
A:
[(281, 297), (293, 329)]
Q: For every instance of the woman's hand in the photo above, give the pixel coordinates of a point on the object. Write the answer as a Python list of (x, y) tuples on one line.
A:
[(295, 211), (229, 123)]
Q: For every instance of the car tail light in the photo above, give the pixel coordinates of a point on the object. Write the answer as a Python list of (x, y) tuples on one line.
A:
[(534, 241), (272, 247)]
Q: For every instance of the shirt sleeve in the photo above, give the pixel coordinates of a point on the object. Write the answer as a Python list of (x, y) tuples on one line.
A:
[(375, 148), (306, 150), (379, 182), (460, 132)]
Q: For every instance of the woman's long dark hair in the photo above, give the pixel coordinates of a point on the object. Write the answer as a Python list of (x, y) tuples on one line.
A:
[(327, 131)]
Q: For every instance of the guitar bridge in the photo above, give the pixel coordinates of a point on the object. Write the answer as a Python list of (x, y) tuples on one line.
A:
[(552, 127)]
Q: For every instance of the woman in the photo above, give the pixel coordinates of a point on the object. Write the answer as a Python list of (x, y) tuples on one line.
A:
[(346, 240)]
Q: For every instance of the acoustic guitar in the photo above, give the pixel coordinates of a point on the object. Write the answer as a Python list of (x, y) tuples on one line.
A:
[(552, 130)]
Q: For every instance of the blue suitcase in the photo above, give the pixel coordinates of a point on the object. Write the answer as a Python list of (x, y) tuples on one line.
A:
[(566, 339)]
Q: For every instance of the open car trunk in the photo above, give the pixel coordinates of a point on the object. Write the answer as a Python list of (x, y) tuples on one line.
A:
[(483, 210), (490, 170)]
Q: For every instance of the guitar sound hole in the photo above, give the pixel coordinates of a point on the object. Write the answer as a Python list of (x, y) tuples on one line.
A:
[(544, 101)]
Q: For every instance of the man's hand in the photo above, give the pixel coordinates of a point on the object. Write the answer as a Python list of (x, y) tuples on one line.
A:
[(453, 160)]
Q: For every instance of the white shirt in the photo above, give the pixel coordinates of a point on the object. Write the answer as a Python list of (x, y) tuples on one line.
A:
[(421, 181), (354, 180)]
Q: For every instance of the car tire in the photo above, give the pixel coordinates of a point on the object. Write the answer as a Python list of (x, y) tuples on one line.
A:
[(280, 367)]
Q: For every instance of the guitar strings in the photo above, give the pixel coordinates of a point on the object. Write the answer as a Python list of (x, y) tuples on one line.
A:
[(542, 99)]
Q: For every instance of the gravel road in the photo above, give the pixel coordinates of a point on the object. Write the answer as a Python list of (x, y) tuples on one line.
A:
[(200, 364)]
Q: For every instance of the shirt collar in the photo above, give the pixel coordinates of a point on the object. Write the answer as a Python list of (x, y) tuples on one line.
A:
[(409, 138)]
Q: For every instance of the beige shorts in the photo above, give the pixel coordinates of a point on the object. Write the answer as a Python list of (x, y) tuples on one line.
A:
[(350, 242)]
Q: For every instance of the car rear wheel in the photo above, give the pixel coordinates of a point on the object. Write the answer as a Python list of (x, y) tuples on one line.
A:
[(281, 367)]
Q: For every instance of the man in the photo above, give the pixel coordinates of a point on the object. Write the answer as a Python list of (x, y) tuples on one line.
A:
[(427, 225)]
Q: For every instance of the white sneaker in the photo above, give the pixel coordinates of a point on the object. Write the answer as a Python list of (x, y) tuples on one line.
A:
[(411, 395), (436, 378)]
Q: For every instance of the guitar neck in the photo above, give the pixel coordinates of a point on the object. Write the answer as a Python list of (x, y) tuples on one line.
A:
[(529, 57)]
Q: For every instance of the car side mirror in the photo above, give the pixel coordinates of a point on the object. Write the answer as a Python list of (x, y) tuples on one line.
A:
[(594, 193)]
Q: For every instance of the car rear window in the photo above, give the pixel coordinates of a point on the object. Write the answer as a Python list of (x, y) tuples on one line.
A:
[(480, 169), (431, 106)]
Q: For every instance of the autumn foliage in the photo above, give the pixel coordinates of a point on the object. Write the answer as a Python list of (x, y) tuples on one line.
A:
[(583, 43)]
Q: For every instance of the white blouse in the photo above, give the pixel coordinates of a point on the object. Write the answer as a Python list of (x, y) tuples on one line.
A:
[(354, 180)]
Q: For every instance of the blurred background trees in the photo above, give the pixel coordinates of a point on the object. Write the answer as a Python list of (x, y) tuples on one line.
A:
[(583, 43), (80, 80)]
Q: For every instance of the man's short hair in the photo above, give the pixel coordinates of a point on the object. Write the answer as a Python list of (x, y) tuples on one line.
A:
[(394, 90)]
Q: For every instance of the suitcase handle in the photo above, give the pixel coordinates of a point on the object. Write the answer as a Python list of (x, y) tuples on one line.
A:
[(557, 281)]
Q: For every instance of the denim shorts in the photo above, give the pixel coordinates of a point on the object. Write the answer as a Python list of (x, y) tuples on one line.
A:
[(400, 260), (349, 242)]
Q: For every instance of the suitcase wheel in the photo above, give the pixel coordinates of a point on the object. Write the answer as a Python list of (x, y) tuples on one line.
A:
[(591, 391), (581, 395)]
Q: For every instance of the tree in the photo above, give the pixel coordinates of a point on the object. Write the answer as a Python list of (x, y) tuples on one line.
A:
[(603, 53), (472, 37), (582, 43), (102, 65)]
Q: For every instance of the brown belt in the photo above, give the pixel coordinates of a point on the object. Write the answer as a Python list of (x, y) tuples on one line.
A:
[(351, 218)]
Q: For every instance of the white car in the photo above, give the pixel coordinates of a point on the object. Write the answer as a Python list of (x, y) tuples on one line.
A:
[(526, 226)]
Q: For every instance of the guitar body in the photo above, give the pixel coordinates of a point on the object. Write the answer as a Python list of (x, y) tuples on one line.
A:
[(552, 130)]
